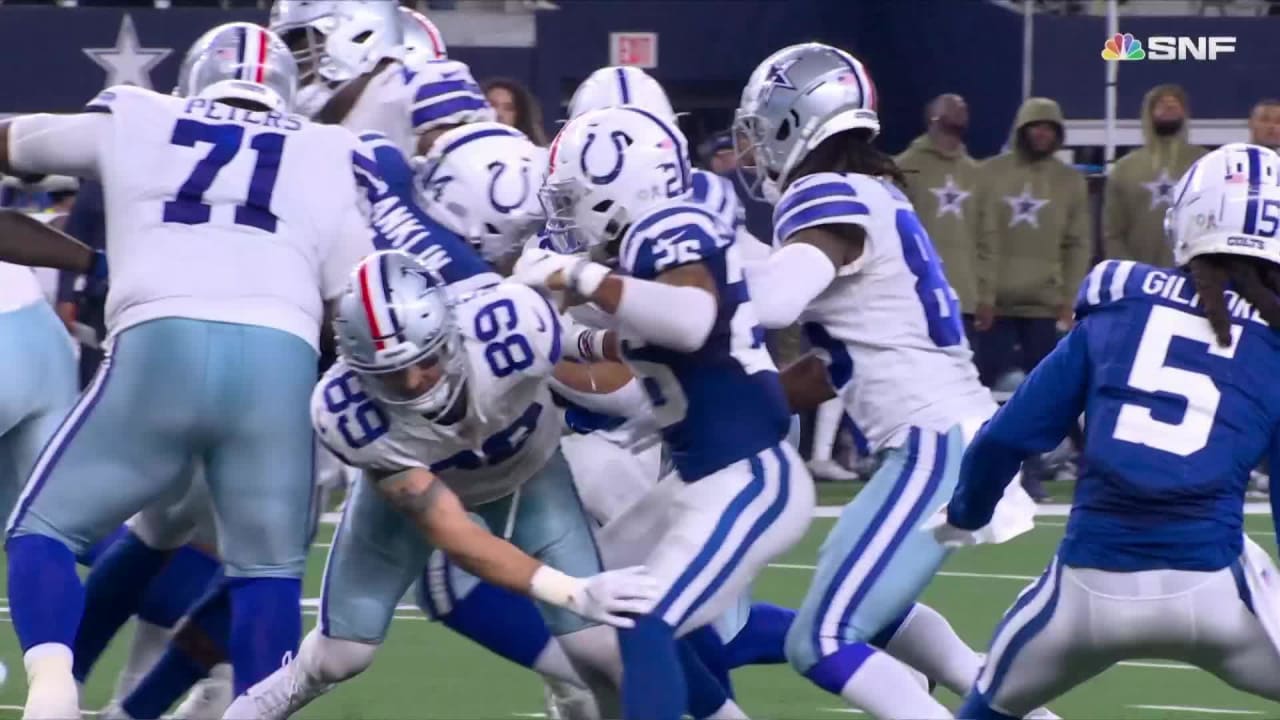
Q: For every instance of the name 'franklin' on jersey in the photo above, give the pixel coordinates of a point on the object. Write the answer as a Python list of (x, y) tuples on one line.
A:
[(224, 214), (1174, 422), (722, 402), (890, 321), (511, 338)]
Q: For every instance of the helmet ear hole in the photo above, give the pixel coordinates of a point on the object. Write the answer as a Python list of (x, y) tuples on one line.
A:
[(362, 37), (784, 131), (602, 206)]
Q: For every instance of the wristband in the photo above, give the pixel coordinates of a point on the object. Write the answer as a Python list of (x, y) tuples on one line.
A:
[(98, 266), (554, 587), (591, 344)]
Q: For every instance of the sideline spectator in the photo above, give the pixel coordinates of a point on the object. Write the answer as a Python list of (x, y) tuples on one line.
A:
[(940, 183), (1264, 123), (1140, 187), (516, 107)]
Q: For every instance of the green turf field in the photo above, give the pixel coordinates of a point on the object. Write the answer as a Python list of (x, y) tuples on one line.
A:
[(425, 672)]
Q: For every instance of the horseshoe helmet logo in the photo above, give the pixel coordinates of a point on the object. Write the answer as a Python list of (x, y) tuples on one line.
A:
[(496, 170), (620, 142)]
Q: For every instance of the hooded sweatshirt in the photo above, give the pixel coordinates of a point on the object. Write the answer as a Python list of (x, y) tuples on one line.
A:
[(1140, 188), (1033, 247), (940, 185)]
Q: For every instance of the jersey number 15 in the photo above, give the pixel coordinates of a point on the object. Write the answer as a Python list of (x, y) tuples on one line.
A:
[(188, 206)]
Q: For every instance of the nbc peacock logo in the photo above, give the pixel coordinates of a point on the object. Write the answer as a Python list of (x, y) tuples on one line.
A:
[(1123, 47)]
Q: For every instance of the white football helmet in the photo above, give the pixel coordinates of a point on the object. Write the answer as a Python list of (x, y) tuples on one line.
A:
[(795, 99), (481, 180), (422, 40), (608, 167), (1227, 202), (336, 41), (621, 85), (240, 61), (393, 315)]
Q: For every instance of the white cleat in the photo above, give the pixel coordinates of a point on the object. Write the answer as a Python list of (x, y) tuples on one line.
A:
[(566, 701), (210, 698), (1042, 714), (277, 696)]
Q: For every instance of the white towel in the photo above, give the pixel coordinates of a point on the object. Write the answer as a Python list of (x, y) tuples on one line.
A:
[(1014, 515)]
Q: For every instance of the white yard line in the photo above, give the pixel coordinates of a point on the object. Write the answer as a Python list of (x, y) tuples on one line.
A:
[(944, 573), (1189, 708)]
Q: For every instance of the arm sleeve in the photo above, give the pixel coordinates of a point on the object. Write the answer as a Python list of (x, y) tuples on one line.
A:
[(673, 316), (1034, 420), (1076, 247), (1115, 222), (627, 401), (986, 241), (783, 285), (58, 144)]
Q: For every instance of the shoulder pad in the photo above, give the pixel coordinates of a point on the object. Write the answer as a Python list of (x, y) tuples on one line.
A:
[(108, 99), (347, 421), (1111, 281), (823, 199), (671, 236), (718, 196)]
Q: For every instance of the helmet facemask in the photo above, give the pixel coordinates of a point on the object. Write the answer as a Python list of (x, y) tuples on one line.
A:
[(577, 221)]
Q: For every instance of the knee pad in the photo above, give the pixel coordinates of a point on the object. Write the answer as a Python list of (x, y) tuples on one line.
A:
[(333, 660)]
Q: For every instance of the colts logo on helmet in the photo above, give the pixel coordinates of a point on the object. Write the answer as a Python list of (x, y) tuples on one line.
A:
[(496, 170), (620, 142)]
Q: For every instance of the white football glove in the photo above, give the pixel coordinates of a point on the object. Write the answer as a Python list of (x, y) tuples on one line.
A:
[(537, 265), (606, 596), (947, 535)]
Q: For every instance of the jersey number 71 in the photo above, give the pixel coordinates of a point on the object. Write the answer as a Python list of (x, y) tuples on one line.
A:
[(188, 206)]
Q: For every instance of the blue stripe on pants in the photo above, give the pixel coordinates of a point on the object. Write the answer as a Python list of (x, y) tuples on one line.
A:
[(1022, 635), (899, 486), (766, 519), (732, 514), (909, 524), (62, 438)]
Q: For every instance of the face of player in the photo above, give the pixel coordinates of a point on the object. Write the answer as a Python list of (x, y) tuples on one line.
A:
[(504, 104), (1264, 126), (414, 381)]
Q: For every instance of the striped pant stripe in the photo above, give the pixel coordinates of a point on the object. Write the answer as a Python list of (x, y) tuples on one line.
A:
[(1028, 616)]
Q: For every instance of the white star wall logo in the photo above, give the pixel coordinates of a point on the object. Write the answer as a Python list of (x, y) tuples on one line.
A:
[(128, 63)]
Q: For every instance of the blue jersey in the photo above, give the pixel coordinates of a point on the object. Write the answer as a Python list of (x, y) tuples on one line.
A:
[(722, 402), (1173, 424), (398, 222)]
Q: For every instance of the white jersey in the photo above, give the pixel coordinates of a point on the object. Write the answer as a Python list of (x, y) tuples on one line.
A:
[(18, 287), (510, 429), (404, 100), (890, 321), (213, 212)]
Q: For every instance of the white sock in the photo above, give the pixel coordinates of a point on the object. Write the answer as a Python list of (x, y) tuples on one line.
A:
[(553, 664), (885, 690), (826, 423), (728, 711), (47, 657), (928, 643), (149, 643)]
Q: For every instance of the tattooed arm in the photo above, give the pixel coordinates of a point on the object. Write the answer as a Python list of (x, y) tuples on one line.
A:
[(441, 518)]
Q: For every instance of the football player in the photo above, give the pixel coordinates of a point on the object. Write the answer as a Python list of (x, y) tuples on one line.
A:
[(858, 270), (222, 253), (441, 397), (618, 180), (1172, 369)]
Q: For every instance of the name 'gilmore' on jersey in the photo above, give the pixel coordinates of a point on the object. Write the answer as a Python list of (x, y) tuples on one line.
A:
[(890, 321), (511, 338), (722, 402), (224, 214)]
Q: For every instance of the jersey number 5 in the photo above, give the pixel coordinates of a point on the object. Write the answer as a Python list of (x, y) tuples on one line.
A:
[(1151, 374), (188, 206)]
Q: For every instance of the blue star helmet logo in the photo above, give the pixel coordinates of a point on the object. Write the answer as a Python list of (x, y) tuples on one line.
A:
[(777, 76)]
